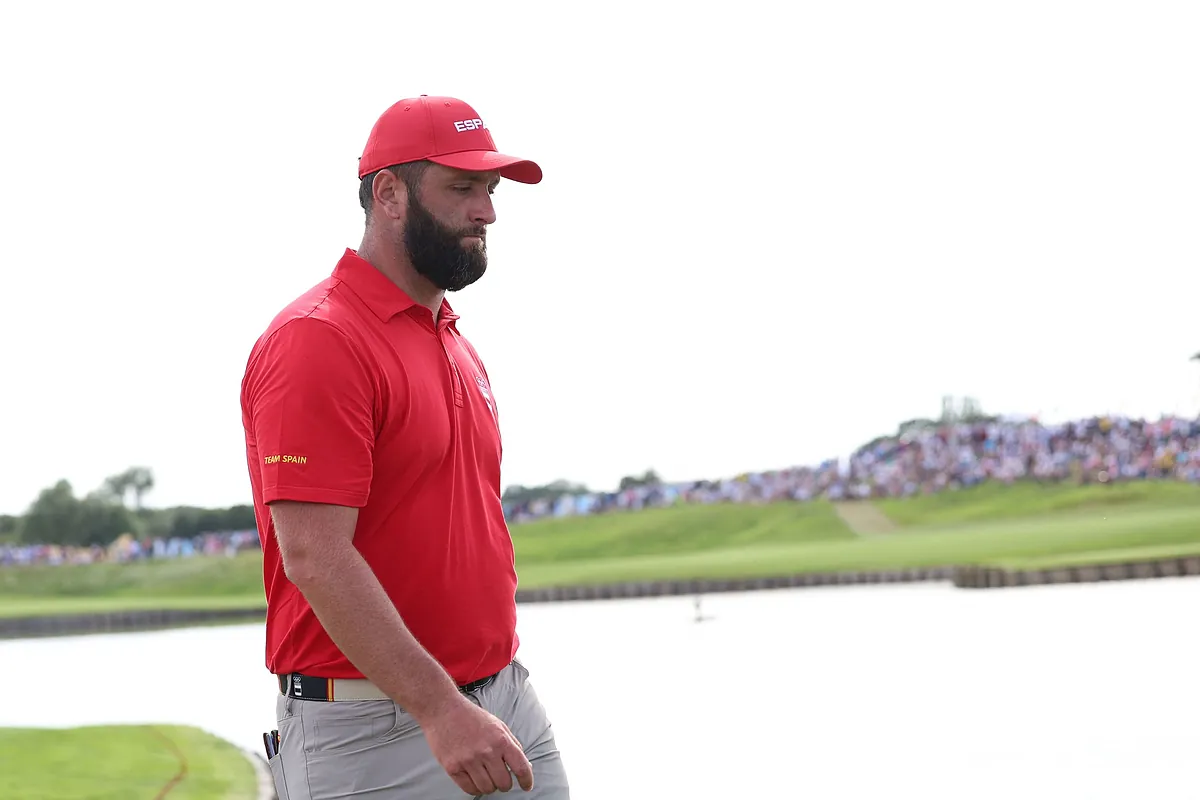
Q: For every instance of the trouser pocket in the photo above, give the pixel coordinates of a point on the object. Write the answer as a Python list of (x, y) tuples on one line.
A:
[(276, 766)]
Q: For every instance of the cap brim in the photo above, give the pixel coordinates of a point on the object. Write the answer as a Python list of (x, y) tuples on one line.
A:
[(516, 169)]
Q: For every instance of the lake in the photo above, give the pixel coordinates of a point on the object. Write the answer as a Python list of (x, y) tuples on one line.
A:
[(1075, 691)]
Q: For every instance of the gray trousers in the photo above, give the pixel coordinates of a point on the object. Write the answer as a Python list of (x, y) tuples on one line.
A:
[(373, 749)]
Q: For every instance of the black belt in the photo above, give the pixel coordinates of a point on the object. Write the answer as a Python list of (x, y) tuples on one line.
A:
[(307, 687)]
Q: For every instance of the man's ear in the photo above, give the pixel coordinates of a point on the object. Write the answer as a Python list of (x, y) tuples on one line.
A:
[(390, 194)]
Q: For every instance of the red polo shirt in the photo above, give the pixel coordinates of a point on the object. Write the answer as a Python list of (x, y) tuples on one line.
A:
[(353, 397)]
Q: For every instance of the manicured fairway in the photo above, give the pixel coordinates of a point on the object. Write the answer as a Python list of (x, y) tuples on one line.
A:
[(1020, 525)]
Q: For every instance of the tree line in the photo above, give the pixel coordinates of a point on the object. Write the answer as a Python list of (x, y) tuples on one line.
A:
[(519, 495), (114, 509)]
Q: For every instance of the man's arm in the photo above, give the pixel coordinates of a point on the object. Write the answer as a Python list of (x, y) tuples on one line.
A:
[(309, 393), (319, 556)]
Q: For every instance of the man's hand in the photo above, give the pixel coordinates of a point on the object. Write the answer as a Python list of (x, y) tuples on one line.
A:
[(476, 749)]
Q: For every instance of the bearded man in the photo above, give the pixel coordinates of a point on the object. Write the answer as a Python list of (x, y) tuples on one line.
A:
[(373, 445)]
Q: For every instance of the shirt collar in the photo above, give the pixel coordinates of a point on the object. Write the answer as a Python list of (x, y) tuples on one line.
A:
[(384, 298)]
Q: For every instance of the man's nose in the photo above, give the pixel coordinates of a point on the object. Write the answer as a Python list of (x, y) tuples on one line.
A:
[(484, 212)]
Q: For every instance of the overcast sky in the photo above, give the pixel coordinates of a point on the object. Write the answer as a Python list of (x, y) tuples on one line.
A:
[(767, 231)]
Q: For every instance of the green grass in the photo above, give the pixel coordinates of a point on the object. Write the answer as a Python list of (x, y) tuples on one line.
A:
[(1097, 557), (16, 605), (671, 531), (990, 502), (989, 524), (202, 583), (215, 577), (1069, 537), (123, 762)]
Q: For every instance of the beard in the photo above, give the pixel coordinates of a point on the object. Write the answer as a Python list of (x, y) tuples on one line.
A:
[(437, 252)]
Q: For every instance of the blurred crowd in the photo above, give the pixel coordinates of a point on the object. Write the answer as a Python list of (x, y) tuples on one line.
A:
[(127, 548), (1099, 450), (932, 458), (924, 459)]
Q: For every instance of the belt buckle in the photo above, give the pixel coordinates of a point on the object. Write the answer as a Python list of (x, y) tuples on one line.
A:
[(475, 686), (292, 685)]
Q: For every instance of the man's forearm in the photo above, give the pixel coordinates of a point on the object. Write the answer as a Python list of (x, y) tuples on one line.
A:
[(352, 606)]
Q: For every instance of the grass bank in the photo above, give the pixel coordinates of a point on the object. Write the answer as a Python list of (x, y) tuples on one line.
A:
[(1024, 524), (122, 762)]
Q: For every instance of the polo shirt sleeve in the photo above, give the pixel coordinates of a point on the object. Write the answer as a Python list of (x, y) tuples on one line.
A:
[(310, 401)]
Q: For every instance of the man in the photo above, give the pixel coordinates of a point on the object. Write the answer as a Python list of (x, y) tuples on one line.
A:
[(373, 444)]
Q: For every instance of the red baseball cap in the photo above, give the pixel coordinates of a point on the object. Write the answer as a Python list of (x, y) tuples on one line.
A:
[(443, 130)]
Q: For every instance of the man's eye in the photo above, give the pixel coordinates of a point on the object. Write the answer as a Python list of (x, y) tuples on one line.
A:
[(462, 189)]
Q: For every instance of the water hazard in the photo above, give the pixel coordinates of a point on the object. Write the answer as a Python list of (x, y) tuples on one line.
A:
[(1047, 692)]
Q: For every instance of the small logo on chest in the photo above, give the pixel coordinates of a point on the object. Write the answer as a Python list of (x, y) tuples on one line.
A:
[(487, 394)]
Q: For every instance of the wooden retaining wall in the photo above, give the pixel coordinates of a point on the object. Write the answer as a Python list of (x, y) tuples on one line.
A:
[(118, 621), (996, 578), (622, 591)]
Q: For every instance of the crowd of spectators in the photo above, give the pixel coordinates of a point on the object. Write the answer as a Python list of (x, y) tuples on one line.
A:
[(930, 458), (924, 459), (128, 548)]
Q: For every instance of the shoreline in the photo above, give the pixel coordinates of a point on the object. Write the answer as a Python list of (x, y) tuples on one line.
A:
[(962, 577)]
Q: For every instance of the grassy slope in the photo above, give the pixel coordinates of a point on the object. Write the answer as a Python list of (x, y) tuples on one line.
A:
[(988, 524), (120, 763), (994, 501), (1077, 536)]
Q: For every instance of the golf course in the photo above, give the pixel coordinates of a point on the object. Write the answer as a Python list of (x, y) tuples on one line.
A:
[(1024, 525)]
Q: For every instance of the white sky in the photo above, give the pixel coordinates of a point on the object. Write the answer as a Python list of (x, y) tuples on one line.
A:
[(767, 233)]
